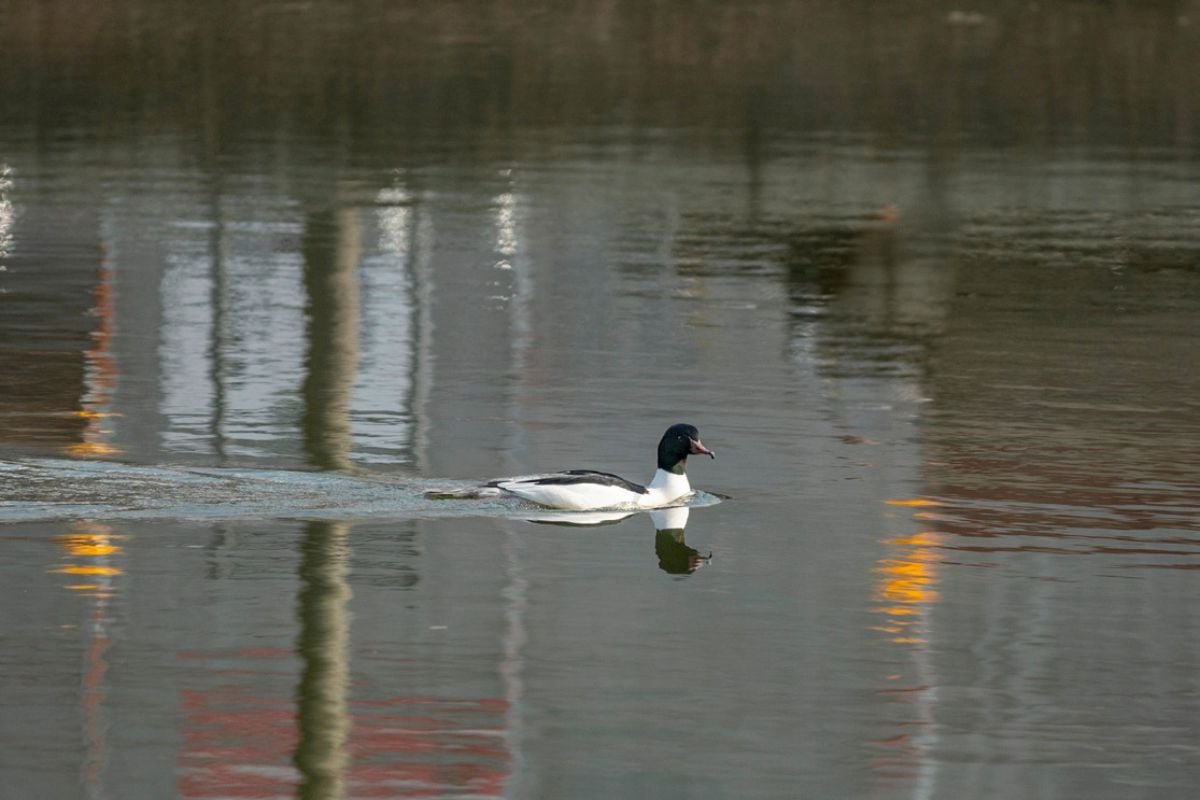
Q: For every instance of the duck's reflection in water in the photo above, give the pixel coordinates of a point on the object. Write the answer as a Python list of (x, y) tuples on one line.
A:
[(674, 554)]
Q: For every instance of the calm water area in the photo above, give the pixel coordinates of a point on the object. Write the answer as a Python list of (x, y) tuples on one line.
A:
[(926, 279)]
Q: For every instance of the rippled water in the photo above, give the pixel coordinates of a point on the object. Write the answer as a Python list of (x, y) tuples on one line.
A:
[(951, 541)]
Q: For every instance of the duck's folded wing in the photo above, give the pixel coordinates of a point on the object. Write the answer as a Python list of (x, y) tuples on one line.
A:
[(575, 477), (573, 489)]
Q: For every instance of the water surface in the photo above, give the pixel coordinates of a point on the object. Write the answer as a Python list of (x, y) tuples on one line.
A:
[(942, 339)]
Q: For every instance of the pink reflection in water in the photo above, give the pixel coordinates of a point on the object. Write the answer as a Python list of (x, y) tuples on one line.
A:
[(238, 744)]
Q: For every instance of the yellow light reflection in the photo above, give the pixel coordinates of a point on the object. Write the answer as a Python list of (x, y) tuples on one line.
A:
[(91, 540), (89, 549), (94, 542), (69, 569), (908, 578), (92, 448)]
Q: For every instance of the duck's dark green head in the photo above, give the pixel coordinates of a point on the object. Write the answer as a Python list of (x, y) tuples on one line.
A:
[(679, 442)]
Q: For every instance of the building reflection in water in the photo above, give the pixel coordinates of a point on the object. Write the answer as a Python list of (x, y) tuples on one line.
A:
[(512, 671), (323, 645), (92, 552), (332, 250), (100, 373), (246, 317), (240, 739), (7, 210), (340, 732), (394, 361), (906, 591), (91, 561)]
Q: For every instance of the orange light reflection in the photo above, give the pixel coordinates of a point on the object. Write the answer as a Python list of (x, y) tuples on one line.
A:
[(68, 569), (908, 577), (96, 543), (100, 376)]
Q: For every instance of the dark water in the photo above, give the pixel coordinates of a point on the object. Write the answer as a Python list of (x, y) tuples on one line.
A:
[(928, 281)]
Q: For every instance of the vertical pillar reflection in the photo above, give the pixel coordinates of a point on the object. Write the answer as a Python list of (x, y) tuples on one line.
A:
[(332, 249), (219, 337), (323, 647)]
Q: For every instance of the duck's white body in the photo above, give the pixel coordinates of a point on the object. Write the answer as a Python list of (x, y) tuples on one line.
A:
[(591, 491)]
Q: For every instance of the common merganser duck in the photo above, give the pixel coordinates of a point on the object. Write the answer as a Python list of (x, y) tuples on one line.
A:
[(589, 490)]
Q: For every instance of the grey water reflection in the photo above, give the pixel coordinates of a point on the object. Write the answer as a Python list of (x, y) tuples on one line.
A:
[(351, 306)]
